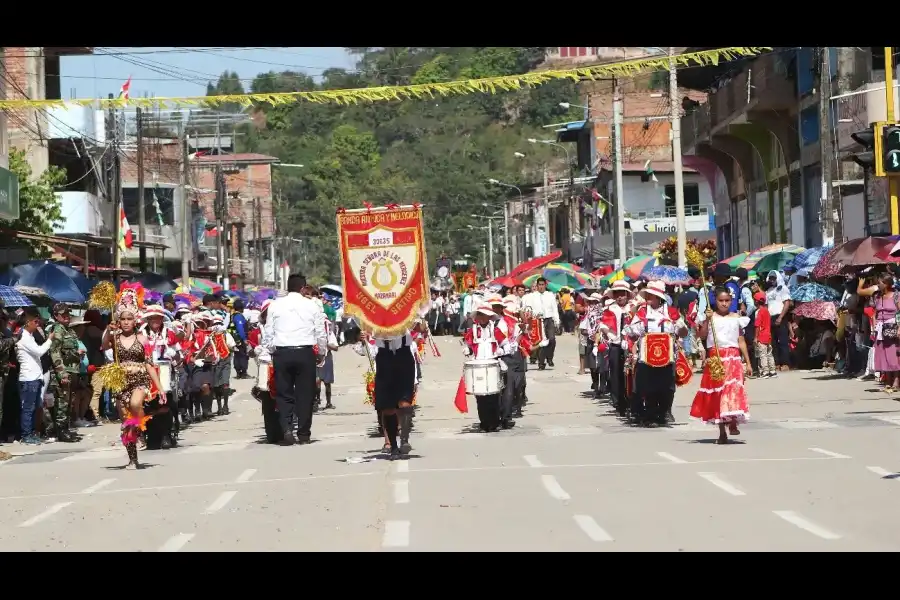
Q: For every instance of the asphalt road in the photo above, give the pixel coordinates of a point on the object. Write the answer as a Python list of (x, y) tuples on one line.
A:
[(814, 471)]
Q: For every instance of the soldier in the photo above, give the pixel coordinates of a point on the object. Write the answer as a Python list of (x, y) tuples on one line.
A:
[(66, 359)]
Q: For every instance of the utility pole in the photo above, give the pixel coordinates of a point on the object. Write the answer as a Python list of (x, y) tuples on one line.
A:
[(115, 186), (187, 246), (620, 184), (142, 210), (490, 261), (675, 108), (256, 246), (507, 239), (826, 220), (219, 215)]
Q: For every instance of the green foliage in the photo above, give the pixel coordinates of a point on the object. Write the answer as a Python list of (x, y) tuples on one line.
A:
[(439, 152), (229, 83), (40, 210)]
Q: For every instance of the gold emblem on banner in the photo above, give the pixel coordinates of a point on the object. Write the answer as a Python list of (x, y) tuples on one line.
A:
[(380, 284)]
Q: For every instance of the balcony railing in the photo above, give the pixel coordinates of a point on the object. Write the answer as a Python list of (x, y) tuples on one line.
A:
[(695, 210)]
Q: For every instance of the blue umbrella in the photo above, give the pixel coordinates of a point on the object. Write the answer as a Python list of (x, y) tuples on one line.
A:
[(809, 258), (668, 275), (812, 292), (61, 282), (13, 298)]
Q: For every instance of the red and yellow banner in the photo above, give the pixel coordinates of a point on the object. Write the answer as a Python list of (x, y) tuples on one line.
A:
[(383, 267)]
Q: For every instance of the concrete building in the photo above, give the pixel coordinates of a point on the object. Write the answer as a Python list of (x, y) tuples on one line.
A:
[(759, 133)]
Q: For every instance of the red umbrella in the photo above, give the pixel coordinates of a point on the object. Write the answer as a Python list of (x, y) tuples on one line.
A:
[(506, 281), (535, 263), (865, 251)]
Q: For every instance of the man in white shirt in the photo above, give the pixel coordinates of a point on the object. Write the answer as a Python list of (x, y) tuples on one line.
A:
[(543, 305), (295, 332), (31, 373)]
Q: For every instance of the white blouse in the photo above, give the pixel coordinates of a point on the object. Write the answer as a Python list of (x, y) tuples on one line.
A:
[(728, 330)]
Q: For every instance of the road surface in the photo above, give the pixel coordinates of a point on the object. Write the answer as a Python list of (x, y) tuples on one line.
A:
[(815, 470)]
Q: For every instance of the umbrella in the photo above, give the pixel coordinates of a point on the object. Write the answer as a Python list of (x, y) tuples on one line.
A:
[(668, 275), (536, 263), (827, 266), (568, 279), (819, 310), (614, 276), (194, 293), (865, 251), (633, 267), (735, 261), (13, 298), (759, 260), (551, 285), (564, 266), (813, 292), (155, 282), (204, 285), (334, 289), (503, 281), (60, 282), (809, 258)]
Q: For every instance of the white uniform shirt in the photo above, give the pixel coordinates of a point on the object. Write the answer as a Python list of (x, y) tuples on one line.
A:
[(295, 320), (29, 355)]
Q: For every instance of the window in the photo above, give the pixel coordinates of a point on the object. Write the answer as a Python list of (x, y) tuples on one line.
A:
[(809, 126), (582, 51), (564, 52), (573, 51), (691, 198)]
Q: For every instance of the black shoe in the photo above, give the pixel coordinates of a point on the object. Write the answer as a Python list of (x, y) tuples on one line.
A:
[(329, 406), (550, 363), (166, 442), (405, 448), (288, 439), (395, 455), (508, 424), (303, 439), (67, 437), (541, 367)]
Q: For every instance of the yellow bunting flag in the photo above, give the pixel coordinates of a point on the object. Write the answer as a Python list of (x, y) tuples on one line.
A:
[(487, 85)]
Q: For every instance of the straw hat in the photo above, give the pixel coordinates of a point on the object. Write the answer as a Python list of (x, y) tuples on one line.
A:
[(511, 306), (493, 299), (620, 285), (655, 288)]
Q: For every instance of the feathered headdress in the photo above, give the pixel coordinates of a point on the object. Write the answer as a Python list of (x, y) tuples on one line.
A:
[(130, 299)]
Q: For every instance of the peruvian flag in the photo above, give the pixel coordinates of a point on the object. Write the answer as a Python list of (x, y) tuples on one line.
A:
[(123, 93), (126, 237)]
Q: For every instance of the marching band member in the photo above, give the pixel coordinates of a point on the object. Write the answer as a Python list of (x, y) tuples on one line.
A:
[(520, 348), (325, 369), (162, 345), (259, 341), (222, 344), (654, 326), (590, 338), (395, 386), (182, 327), (513, 370), (140, 376), (543, 305), (614, 318), (484, 340), (200, 360)]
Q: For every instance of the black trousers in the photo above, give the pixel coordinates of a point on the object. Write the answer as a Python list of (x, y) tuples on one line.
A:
[(515, 385), (295, 387), (241, 360), (546, 353), (617, 378), (781, 338)]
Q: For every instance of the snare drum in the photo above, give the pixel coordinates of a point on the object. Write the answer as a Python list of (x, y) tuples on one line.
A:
[(165, 375), (482, 377)]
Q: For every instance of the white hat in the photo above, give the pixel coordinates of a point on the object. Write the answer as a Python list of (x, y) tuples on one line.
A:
[(265, 305), (493, 299), (595, 297), (485, 309), (155, 310), (511, 305), (619, 285), (608, 302), (655, 288)]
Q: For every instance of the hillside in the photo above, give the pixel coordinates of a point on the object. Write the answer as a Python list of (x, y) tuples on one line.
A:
[(437, 152)]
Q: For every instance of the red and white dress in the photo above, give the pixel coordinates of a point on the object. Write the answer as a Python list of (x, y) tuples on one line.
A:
[(723, 401)]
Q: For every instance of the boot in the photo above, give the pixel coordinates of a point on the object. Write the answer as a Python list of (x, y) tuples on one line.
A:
[(218, 394), (225, 410), (206, 403)]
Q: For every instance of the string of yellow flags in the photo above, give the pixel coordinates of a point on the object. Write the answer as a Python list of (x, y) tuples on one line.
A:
[(487, 85)]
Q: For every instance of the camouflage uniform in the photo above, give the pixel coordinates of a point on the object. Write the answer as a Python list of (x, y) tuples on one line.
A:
[(66, 362)]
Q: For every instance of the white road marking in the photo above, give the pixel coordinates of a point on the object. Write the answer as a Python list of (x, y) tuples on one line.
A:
[(829, 453), (671, 458), (886, 419), (212, 448), (401, 491), (590, 527), (881, 472), (176, 542), (806, 525), (245, 476), (220, 502), (561, 431), (45, 515), (402, 466), (396, 534), (553, 488), (533, 461), (97, 486), (805, 424), (721, 484)]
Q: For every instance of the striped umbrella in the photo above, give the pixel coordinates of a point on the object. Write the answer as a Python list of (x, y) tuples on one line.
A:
[(735, 261), (13, 298), (633, 267), (810, 257), (198, 283), (614, 276), (784, 251)]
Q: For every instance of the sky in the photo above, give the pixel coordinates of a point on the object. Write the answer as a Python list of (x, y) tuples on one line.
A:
[(181, 71)]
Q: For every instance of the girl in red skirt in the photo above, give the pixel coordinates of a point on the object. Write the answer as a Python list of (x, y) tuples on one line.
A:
[(724, 403)]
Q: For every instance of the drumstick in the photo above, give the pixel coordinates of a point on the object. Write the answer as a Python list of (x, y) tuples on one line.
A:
[(434, 348)]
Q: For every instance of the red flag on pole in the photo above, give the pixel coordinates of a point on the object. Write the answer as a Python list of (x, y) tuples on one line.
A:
[(461, 403)]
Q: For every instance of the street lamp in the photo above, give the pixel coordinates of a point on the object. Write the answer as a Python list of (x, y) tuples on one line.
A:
[(568, 105), (519, 155)]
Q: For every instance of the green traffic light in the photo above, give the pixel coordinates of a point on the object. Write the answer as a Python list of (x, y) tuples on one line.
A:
[(892, 160)]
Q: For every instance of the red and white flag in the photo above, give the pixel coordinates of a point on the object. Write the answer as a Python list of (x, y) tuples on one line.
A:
[(126, 237), (123, 93)]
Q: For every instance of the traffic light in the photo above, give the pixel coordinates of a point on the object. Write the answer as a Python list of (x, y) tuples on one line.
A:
[(870, 140), (890, 149)]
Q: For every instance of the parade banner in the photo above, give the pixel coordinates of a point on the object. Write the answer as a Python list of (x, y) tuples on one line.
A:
[(383, 266)]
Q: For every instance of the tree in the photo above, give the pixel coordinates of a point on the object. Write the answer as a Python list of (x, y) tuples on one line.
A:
[(40, 210), (229, 83)]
